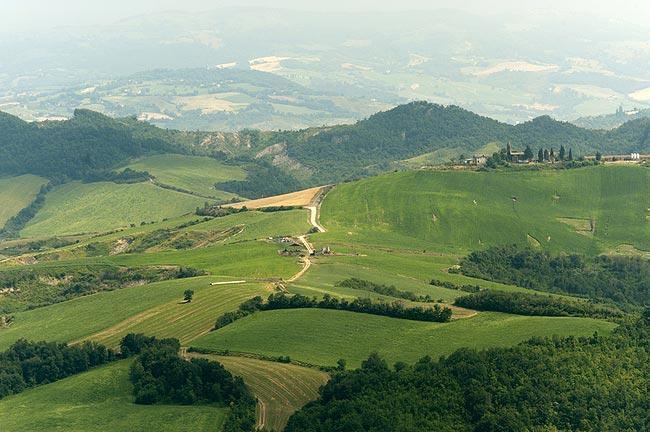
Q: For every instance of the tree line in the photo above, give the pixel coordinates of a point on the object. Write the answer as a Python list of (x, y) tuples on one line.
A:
[(387, 290), (28, 364), (42, 286), (533, 304), (16, 223), (622, 280), (546, 384), (278, 301)]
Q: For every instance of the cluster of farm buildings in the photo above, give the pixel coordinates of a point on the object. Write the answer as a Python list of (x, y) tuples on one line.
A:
[(519, 157)]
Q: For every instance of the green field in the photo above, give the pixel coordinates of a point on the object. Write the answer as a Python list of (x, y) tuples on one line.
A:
[(281, 389), (155, 309), (97, 207), (191, 173), (259, 225), (406, 270), (100, 400), (16, 193), (321, 337), (183, 321), (462, 211), (249, 259)]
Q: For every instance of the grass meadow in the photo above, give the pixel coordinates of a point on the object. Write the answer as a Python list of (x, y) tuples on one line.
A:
[(321, 337), (75, 208), (196, 174), (16, 193), (100, 400)]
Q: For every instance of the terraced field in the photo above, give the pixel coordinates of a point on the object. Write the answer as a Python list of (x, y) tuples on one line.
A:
[(281, 389), (98, 207), (460, 211), (180, 320), (191, 173), (322, 337), (16, 193), (155, 309), (100, 400)]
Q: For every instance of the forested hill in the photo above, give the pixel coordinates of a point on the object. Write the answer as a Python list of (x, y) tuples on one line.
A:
[(87, 143), (91, 142), (420, 127)]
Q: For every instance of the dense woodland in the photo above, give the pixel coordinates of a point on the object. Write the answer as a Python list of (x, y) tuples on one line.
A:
[(80, 148), (533, 304), (263, 180), (27, 364), (160, 376), (622, 280), (409, 130), (577, 384)]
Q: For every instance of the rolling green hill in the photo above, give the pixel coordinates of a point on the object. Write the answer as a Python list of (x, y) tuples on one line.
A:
[(353, 336), (190, 173), (585, 210), (16, 193), (100, 400), (75, 208), (92, 143)]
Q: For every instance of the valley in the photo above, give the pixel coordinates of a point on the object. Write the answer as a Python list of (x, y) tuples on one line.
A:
[(114, 253)]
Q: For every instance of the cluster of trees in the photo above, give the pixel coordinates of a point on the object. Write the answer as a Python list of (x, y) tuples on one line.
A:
[(394, 309), (37, 287), (619, 279), (125, 176), (533, 304), (453, 286), (541, 385), (387, 290), (218, 211), (545, 155), (504, 156), (160, 376), (27, 364)]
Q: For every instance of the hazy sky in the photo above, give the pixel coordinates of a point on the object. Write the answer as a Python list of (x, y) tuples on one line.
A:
[(34, 15)]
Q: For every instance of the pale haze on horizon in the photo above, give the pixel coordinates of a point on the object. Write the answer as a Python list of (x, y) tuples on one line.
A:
[(34, 16)]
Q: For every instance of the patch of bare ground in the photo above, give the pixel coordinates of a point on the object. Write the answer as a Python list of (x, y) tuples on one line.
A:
[(294, 199)]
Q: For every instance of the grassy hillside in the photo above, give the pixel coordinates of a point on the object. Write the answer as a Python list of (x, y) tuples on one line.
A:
[(280, 388), (460, 211), (353, 336), (100, 400), (96, 207), (191, 173), (16, 193)]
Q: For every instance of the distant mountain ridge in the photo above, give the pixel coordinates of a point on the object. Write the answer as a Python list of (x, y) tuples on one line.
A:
[(611, 121), (91, 142)]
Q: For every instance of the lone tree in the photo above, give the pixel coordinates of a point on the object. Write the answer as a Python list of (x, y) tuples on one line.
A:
[(540, 156), (570, 154), (188, 295), (562, 153)]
